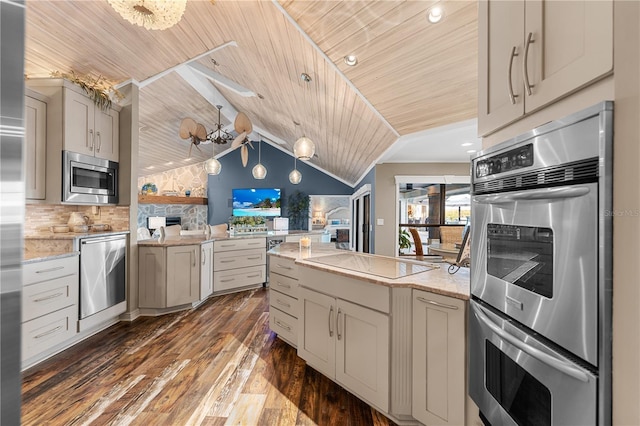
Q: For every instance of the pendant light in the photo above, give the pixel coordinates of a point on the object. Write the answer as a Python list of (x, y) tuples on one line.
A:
[(152, 15), (212, 166), (304, 148), (295, 177), (259, 171)]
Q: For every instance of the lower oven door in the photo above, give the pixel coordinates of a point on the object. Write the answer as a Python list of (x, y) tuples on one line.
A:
[(517, 380), (535, 259)]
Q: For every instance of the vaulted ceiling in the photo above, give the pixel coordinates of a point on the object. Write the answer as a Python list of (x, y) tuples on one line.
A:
[(411, 75)]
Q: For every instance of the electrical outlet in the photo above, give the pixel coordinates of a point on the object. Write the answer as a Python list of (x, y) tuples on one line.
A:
[(380, 222)]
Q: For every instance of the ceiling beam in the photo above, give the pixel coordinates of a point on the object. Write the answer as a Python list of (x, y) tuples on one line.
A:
[(222, 80)]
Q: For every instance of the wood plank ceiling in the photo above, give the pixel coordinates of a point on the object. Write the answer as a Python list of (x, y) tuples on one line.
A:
[(411, 75)]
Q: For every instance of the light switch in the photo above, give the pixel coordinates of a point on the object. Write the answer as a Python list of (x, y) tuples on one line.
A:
[(379, 222)]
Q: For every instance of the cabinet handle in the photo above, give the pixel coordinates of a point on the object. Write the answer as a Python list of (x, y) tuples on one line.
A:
[(525, 71), (254, 257), (252, 276), (227, 245), (99, 144), (278, 283), (227, 280), (228, 261), (257, 243), (194, 258), (91, 139), (203, 258), (46, 333), (283, 303), (432, 302), (338, 323), (283, 267), (512, 96), (330, 315), (286, 327), (52, 296), (44, 271)]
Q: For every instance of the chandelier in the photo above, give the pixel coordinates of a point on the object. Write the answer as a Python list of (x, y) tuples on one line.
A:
[(150, 14), (218, 134)]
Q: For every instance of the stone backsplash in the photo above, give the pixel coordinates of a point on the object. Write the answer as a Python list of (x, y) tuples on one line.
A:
[(193, 216), (40, 217)]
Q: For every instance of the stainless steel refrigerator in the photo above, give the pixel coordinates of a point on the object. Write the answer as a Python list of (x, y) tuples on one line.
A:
[(11, 204)]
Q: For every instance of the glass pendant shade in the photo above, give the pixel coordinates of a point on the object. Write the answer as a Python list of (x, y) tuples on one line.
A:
[(213, 166), (304, 148), (259, 171), (295, 177), (150, 14)]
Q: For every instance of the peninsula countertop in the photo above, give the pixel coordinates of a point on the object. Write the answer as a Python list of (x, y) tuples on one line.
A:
[(433, 277)]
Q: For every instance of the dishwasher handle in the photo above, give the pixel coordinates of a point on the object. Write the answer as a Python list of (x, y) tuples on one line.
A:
[(97, 240)]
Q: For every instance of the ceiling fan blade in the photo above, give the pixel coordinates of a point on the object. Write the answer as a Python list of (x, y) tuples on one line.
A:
[(250, 144), (198, 148), (244, 153), (187, 127), (201, 132), (242, 123), (189, 155), (238, 140)]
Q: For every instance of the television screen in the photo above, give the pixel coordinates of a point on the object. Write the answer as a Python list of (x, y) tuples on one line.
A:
[(256, 202)]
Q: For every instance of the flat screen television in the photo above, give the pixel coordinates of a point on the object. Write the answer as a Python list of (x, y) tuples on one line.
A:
[(256, 201)]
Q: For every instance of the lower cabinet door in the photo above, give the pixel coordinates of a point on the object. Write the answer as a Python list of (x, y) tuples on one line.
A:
[(316, 334), (284, 325), (183, 275), (439, 348), (48, 331), (362, 352)]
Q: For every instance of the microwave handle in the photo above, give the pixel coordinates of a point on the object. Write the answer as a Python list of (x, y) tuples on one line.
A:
[(557, 193), (550, 360)]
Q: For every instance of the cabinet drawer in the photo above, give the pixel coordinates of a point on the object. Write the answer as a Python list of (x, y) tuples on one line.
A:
[(283, 266), (49, 296), (284, 325), (49, 269), (239, 259), (286, 285), (45, 332), (281, 301), (237, 278), (239, 244)]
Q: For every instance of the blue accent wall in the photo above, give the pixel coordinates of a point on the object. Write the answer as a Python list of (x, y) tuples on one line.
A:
[(278, 165)]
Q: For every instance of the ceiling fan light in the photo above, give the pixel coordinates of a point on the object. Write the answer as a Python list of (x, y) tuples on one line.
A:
[(151, 14), (295, 177), (304, 148), (259, 171), (212, 166)]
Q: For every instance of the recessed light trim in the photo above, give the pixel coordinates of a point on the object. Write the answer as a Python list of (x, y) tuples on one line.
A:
[(305, 77), (467, 144), (471, 151), (351, 60), (435, 14)]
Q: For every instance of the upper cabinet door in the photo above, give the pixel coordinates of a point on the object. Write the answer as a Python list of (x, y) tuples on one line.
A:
[(500, 38), (570, 44), (79, 128), (36, 148), (106, 134)]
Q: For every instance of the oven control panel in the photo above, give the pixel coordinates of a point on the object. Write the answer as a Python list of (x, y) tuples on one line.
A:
[(506, 161)]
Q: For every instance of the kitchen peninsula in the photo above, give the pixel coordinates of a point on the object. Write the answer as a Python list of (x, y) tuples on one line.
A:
[(391, 331)]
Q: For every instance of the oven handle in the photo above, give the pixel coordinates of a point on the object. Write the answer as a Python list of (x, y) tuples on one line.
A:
[(550, 360), (534, 194)]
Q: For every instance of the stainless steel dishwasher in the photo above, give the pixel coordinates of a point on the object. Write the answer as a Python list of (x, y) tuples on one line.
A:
[(102, 273)]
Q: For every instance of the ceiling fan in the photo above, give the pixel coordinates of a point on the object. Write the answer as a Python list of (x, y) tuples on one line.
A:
[(189, 129), (243, 127)]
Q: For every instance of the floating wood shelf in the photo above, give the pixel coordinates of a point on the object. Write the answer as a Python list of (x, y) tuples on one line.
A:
[(163, 199)]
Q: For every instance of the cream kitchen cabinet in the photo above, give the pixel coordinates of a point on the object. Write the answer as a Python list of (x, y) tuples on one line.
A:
[(206, 270), (239, 263), (347, 343), (88, 129), (49, 306), (283, 299), (168, 276), (532, 53), (439, 367), (35, 157)]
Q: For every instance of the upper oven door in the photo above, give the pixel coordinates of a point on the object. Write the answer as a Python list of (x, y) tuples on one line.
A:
[(535, 257)]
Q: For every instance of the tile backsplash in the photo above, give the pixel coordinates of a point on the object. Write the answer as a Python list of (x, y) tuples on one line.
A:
[(39, 217), (192, 178)]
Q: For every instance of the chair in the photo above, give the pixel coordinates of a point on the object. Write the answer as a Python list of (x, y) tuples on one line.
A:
[(218, 230), (451, 234), (417, 242)]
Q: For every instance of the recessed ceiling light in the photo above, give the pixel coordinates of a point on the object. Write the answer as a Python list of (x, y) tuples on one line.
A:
[(151, 167), (350, 60), (305, 77), (435, 14), (471, 151), (467, 144)]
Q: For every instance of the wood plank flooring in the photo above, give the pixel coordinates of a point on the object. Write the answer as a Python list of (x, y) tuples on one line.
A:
[(218, 364)]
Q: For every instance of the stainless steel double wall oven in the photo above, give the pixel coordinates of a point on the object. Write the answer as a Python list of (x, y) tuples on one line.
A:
[(540, 321)]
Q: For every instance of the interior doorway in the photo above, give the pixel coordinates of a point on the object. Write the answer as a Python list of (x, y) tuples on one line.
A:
[(361, 219)]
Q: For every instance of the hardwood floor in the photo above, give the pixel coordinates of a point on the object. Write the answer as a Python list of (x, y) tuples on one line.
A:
[(215, 365)]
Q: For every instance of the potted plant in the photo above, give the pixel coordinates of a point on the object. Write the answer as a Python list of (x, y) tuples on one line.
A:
[(404, 240), (298, 209)]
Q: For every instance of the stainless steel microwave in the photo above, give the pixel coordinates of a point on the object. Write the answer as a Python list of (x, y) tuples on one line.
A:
[(88, 180)]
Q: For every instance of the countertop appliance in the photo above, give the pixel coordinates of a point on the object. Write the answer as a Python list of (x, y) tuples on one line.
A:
[(102, 273), (280, 223), (540, 320), (88, 180)]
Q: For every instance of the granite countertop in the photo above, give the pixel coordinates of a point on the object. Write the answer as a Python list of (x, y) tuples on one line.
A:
[(38, 256), (435, 278), (70, 235), (186, 240)]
